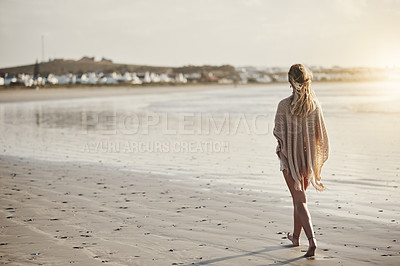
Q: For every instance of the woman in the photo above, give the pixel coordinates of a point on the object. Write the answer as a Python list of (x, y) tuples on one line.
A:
[(302, 148)]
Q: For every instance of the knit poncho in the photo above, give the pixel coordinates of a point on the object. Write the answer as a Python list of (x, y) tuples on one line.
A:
[(303, 145)]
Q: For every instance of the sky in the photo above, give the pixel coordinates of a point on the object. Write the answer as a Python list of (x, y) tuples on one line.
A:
[(181, 32)]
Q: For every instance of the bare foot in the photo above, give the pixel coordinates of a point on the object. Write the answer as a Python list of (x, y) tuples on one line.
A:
[(294, 239), (311, 248)]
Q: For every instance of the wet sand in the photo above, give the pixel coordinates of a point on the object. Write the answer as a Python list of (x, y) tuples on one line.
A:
[(84, 214), (194, 208)]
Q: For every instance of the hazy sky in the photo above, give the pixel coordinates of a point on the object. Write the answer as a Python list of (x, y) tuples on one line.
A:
[(181, 32)]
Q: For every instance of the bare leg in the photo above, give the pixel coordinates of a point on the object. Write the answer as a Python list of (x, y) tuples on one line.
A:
[(297, 223), (303, 219), (296, 219), (296, 228)]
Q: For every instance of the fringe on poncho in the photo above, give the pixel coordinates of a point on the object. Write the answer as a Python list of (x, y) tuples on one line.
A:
[(303, 145)]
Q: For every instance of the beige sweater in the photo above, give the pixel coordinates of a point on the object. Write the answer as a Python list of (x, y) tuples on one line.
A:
[(303, 145)]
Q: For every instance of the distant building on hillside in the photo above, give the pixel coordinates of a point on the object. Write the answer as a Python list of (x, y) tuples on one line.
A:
[(56, 60), (105, 60), (87, 58)]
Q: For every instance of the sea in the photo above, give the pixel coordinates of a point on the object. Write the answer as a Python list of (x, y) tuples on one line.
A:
[(224, 133)]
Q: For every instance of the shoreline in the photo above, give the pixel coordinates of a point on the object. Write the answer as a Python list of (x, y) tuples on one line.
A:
[(26, 94)]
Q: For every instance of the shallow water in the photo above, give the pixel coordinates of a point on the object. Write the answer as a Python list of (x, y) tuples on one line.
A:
[(223, 132)]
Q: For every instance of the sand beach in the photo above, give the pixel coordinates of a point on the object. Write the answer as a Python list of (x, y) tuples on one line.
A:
[(189, 176)]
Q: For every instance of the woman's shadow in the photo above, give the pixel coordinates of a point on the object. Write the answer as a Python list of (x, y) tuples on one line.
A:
[(252, 253)]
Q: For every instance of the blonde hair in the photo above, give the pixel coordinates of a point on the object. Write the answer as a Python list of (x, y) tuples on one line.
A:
[(304, 100)]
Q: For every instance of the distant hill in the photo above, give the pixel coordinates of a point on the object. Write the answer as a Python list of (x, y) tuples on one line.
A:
[(88, 64)]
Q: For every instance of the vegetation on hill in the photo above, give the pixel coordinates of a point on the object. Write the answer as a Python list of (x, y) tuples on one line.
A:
[(88, 64)]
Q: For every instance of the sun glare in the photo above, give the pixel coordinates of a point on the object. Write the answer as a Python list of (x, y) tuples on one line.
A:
[(390, 90), (388, 57)]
